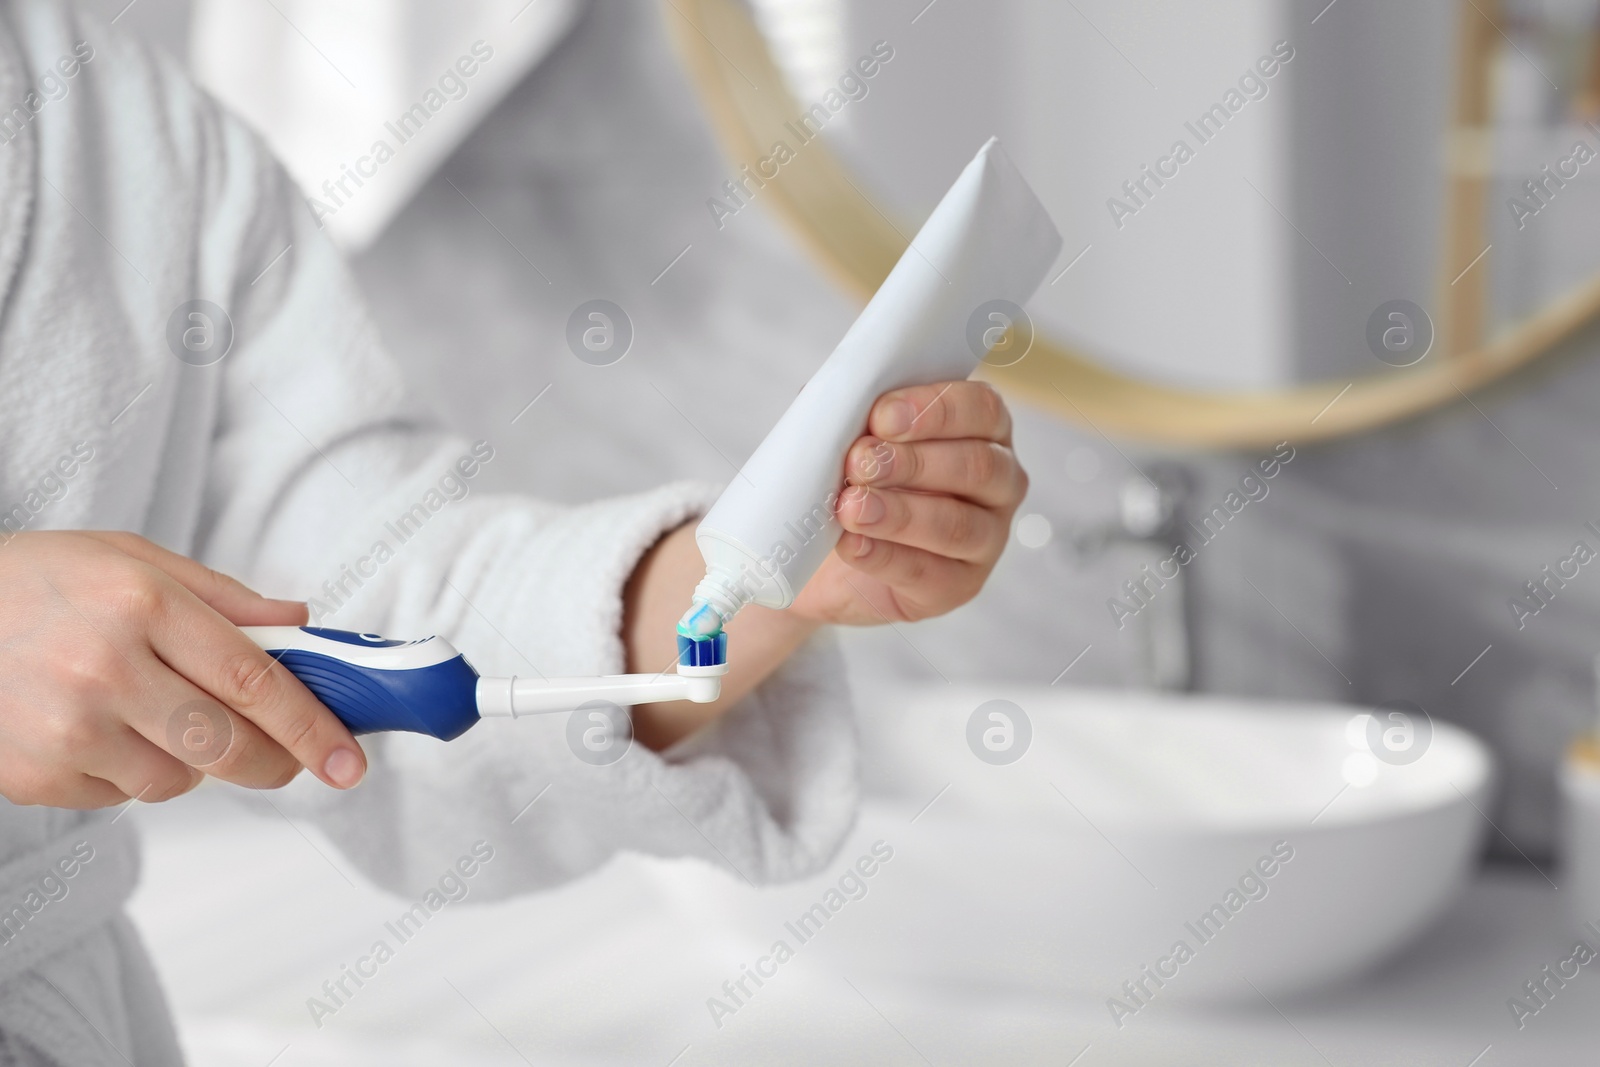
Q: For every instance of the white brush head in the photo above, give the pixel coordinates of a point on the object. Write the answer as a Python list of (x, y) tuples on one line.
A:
[(704, 683)]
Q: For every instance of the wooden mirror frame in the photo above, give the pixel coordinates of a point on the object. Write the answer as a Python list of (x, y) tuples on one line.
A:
[(748, 101)]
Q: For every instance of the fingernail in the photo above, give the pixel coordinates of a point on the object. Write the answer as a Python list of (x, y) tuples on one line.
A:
[(870, 509), (895, 417), (860, 546), (344, 768)]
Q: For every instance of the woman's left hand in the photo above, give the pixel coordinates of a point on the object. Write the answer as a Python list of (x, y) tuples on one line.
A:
[(926, 510)]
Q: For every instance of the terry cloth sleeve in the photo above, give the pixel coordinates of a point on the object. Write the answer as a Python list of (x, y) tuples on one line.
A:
[(324, 482)]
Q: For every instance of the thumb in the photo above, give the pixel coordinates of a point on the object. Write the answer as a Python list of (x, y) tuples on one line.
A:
[(234, 600), (224, 594), (250, 608)]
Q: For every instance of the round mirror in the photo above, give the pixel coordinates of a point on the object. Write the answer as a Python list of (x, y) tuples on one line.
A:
[(1282, 218)]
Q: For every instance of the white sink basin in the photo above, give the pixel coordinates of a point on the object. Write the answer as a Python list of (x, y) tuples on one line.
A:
[(1129, 817)]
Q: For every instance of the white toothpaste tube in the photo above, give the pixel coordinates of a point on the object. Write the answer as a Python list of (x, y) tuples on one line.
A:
[(984, 250)]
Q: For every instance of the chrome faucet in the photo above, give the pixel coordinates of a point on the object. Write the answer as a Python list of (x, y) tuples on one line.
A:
[(1151, 508)]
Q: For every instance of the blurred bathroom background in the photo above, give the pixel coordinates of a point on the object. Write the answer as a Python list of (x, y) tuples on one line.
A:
[(1379, 570)]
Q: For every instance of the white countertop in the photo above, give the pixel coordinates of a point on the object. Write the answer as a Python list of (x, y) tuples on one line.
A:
[(246, 918)]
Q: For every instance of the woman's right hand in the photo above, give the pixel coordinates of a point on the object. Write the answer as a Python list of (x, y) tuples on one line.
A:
[(123, 673)]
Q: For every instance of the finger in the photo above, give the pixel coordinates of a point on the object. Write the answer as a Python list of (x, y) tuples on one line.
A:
[(132, 685), (85, 792), (213, 654), (197, 730), (57, 790), (942, 410), (226, 595), (909, 572), (983, 472), (138, 768), (939, 524)]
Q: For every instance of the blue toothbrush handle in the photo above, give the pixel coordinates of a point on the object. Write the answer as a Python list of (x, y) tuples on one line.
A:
[(374, 683)]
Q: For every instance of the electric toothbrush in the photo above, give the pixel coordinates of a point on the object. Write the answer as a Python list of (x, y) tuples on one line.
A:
[(425, 686)]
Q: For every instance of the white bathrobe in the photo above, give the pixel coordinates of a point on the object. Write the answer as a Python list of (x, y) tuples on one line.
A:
[(127, 195)]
